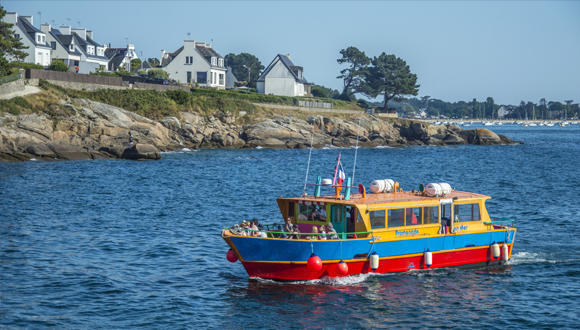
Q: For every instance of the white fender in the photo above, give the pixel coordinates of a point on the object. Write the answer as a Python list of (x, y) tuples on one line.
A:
[(495, 250), (428, 258), (374, 261), (505, 252)]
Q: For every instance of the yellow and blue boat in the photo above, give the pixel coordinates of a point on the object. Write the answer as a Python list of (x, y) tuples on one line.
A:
[(384, 231)]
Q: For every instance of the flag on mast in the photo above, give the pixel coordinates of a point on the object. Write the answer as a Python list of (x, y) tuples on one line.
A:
[(341, 175)]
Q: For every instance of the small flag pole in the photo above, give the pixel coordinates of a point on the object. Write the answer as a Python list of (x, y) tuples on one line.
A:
[(336, 170), (355, 151), (308, 168)]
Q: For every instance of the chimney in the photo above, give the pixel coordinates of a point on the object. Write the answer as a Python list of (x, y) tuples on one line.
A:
[(208, 45), (162, 55), (90, 34), (11, 17), (82, 32), (287, 55), (45, 28), (28, 18), (65, 30)]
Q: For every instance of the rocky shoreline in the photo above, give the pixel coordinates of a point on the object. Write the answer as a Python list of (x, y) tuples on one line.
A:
[(99, 131)]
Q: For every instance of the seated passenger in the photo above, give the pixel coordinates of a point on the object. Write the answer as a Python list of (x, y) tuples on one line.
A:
[(254, 228), (322, 233), (332, 232), (282, 234), (261, 233), (322, 214), (302, 217), (295, 233), (314, 231), (315, 215)]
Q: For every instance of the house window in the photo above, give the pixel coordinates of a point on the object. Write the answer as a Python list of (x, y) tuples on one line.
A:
[(71, 47), (202, 77), (38, 38), (187, 60), (53, 44), (43, 39), (17, 36), (221, 62), (221, 79)]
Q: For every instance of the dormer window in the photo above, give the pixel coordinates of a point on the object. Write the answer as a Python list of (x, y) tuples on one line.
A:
[(72, 48), (213, 61), (221, 62), (17, 36), (38, 38)]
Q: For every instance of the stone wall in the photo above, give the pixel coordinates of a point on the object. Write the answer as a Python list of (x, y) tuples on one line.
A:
[(11, 87), (289, 107), (83, 86)]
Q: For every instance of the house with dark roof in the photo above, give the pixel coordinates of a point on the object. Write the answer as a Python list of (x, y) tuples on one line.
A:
[(92, 54), (62, 47), (284, 78), (195, 61), (38, 49), (120, 57), (230, 78)]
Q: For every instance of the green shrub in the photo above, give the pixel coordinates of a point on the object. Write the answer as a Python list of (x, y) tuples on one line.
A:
[(141, 71), (106, 74), (21, 102), (58, 65), (180, 97), (26, 66), (158, 73)]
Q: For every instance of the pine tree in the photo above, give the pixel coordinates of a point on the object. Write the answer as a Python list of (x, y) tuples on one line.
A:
[(10, 46)]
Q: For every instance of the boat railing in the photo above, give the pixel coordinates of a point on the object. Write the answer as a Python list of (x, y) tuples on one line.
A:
[(277, 234), (500, 223)]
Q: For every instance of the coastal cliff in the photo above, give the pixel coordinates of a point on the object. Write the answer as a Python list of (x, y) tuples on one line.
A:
[(87, 129)]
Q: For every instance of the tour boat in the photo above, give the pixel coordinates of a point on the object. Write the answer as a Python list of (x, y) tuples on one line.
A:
[(384, 230)]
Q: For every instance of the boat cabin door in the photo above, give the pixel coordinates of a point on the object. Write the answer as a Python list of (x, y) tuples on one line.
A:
[(337, 217), (446, 216)]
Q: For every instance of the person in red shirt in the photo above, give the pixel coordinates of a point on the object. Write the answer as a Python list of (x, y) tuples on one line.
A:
[(77, 68)]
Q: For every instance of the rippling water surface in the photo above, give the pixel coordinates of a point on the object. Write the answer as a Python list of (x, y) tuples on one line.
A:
[(121, 244)]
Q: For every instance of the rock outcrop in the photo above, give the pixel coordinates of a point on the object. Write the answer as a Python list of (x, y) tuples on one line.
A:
[(100, 131)]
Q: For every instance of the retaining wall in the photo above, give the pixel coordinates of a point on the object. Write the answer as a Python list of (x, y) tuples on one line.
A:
[(289, 107), (11, 87), (73, 77)]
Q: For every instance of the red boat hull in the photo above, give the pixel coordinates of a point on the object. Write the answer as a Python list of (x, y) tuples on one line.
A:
[(299, 271)]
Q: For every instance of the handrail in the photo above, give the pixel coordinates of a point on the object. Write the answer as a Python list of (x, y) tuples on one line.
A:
[(300, 233), (500, 222)]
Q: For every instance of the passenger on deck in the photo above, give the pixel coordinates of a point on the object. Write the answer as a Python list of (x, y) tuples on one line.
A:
[(314, 231), (281, 230), (322, 233), (254, 226), (261, 233), (315, 216), (295, 233), (322, 214), (244, 227), (332, 231), (288, 226)]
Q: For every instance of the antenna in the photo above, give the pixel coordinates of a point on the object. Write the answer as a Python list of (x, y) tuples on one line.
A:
[(79, 23), (308, 168), (127, 41), (188, 34), (40, 19), (355, 151)]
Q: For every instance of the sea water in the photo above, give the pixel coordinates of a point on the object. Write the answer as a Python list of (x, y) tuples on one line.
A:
[(121, 244)]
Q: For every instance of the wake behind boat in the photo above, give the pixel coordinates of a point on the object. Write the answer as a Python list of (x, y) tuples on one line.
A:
[(350, 231)]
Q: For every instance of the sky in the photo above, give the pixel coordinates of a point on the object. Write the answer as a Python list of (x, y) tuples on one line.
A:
[(512, 51)]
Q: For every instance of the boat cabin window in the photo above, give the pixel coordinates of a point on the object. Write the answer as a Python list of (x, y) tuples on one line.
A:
[(466, 212), (291, 209), (377, 219), (311, 212), (414, 216), (396, 218), (430, 214), (359, 218)]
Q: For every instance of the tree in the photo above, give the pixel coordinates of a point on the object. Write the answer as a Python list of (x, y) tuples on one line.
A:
[(153, 61), (321, 91), (354, 75), (58, 65), (135, 63), (240, 64), (158, 73), (391, 77), (10, 46)]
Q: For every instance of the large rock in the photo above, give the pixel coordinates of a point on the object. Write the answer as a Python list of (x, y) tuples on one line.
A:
[(41, 150), (69, 151), (480, 136), (141, 152), (453, 139)]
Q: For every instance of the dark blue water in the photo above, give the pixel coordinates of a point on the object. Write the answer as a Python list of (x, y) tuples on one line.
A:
[(121, 244)]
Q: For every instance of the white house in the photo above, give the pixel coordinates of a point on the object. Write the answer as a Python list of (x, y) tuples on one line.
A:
[(282, 77), (38, 48), (195, 62), (62, 47), (502, 111), (120, 57)]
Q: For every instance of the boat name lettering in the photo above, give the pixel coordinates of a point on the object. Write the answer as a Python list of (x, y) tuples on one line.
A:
[(406, 232), (460, 228)]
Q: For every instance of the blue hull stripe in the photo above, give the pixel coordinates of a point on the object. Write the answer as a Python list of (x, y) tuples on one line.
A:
[(256, 249)]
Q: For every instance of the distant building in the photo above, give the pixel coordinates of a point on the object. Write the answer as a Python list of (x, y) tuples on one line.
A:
[(38, 49), (195, 62), (230, 78), (502, 111), (423, 113), (63, 47), (120, 57), (282, 77)]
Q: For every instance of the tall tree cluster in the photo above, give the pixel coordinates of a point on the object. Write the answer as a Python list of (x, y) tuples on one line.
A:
[(244, 64), (384, 75)]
